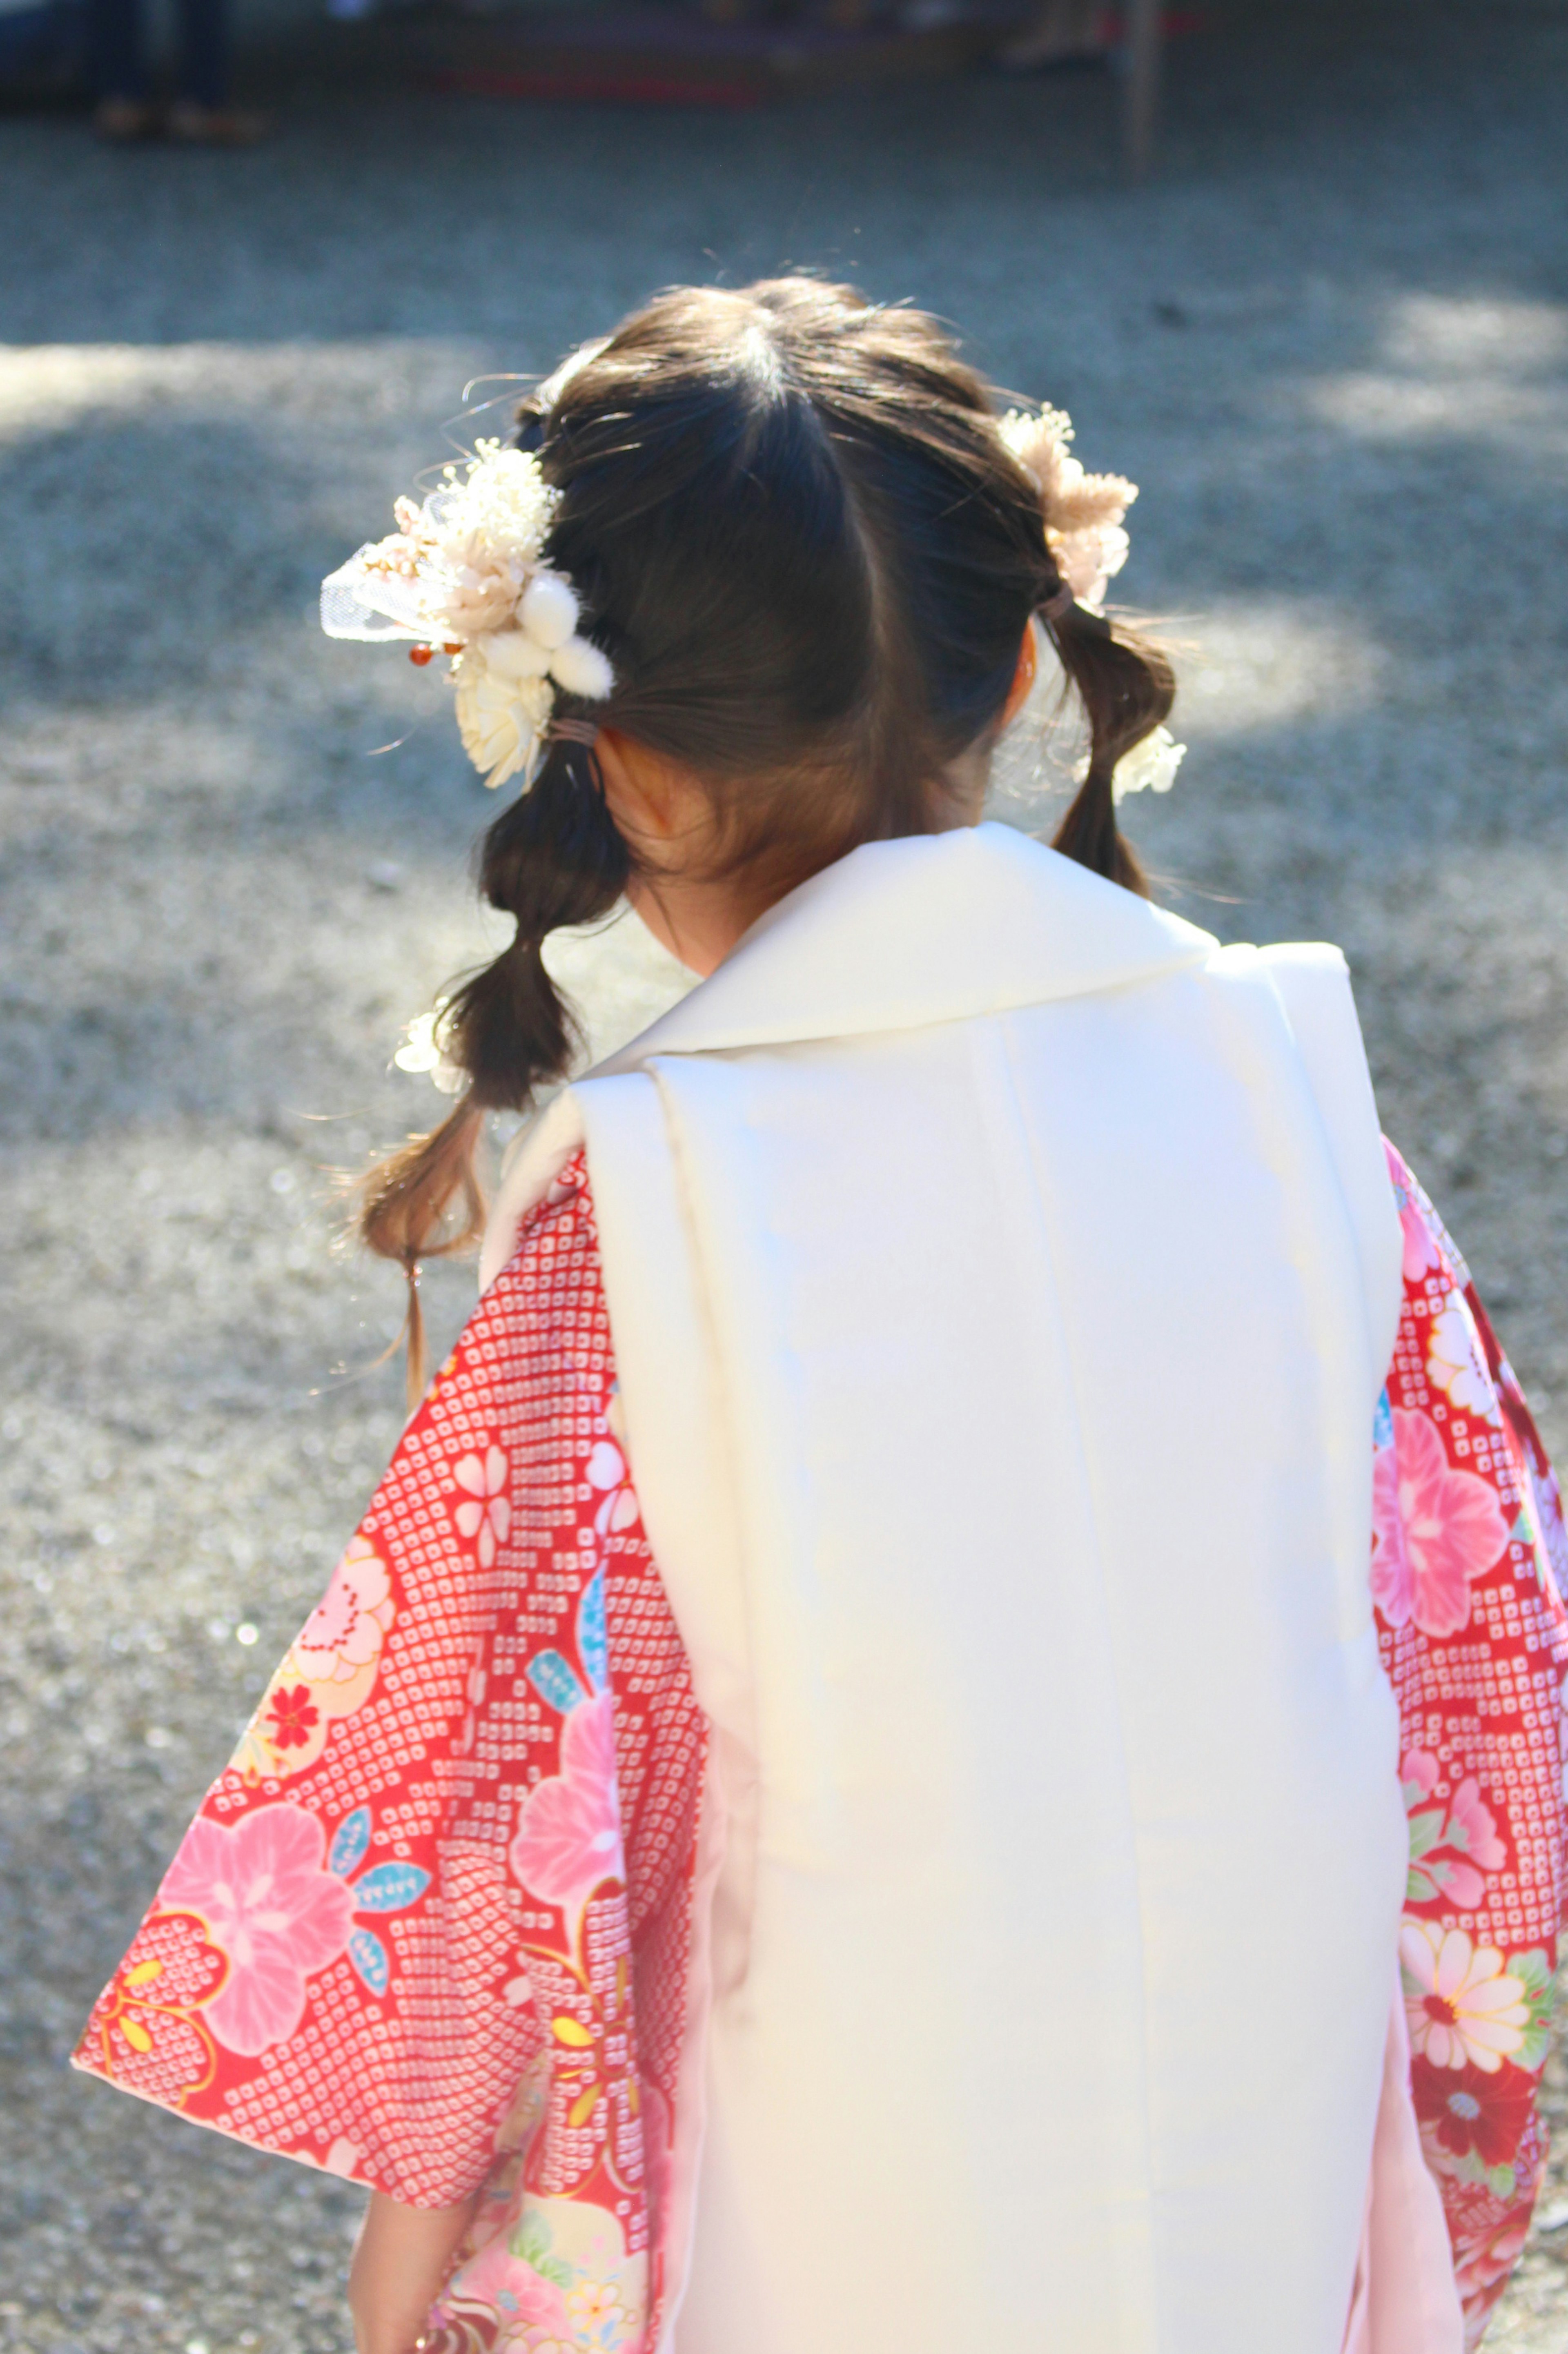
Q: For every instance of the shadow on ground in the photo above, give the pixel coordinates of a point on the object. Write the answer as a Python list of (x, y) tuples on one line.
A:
[(1330, 342)]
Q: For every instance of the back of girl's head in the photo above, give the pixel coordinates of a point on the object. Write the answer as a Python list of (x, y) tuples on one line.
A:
[(796, 531)]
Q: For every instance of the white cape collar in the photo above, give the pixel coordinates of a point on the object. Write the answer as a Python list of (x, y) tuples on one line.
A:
[(898, 936), (927, 929)]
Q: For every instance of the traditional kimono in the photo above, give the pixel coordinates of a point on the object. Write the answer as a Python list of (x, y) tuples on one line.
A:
[(854, 1784)]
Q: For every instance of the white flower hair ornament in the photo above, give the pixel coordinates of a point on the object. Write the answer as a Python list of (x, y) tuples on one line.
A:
[(424, 1050), (1083, 531), (1150, 766), (463, 575)]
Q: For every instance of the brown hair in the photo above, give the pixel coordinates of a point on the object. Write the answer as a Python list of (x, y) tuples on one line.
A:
[(797, 533)]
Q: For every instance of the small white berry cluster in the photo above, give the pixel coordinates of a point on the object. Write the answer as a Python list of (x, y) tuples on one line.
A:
[(463, 575)]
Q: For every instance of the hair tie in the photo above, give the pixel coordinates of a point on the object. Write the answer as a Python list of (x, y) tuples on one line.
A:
[(574, 731), (1062, 606)]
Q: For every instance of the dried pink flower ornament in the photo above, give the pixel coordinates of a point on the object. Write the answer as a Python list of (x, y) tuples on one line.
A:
[(1084, 532), (464, 572), (1083, 512)]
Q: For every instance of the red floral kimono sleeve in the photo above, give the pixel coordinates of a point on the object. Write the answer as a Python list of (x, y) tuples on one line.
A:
[(1469, 1568), (433, 1927), (430, 1929)]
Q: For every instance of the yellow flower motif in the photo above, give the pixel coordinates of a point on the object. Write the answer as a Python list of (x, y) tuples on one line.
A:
[(592, 2304), (1460, 2002)]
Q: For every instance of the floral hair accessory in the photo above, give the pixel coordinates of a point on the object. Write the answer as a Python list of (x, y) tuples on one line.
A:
[(1150, 767), (1084, 532), (464, 573), (1083, 512), (423, 1049)]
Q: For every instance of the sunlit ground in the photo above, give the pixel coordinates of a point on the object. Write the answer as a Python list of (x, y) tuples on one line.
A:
[(1331, 344)]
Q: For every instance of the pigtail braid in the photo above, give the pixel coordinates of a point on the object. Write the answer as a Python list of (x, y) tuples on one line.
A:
[(1127, 688), (552, 858)]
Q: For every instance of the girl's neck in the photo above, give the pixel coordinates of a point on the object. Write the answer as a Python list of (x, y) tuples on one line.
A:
[(666, 817), (699, 923)]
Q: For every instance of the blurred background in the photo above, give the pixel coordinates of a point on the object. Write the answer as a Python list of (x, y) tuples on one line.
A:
[(1328, 334)]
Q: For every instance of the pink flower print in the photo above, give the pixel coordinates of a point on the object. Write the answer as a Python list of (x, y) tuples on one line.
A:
[(345, 1630), (509, 2286), (1451, 1848), (1483, 2263), (268, 1904), (1434, 1529), (485, 1515), (1460, 2002), (569, 1835), (1473, 1829), (1454, 1363)]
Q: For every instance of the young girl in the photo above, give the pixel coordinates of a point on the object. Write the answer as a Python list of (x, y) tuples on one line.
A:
[(844, 1795)]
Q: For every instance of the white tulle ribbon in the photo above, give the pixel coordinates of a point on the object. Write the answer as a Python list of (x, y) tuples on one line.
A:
[(464, 574)]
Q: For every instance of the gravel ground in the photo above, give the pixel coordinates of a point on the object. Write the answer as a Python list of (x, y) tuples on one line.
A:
[(1331, 343)]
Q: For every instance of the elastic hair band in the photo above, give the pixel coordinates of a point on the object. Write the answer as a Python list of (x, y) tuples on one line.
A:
[(1062, 606), (574, 731)]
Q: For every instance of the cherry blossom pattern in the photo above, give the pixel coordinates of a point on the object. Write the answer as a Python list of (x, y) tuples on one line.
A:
[(596, 2312), (1455, 1362), (484, 1515), (585, 2017), (1462, 2005), (1452, 1846), (608, 1475), (1435, 1528), (328, 1672), (271, 1908), (345, 1633), (292, 1716)]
